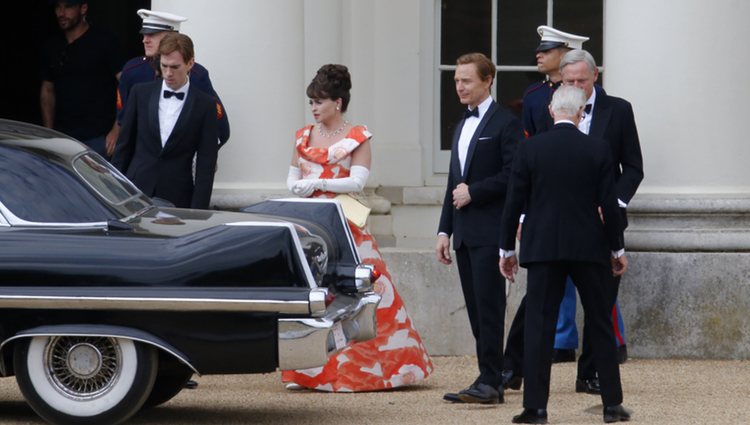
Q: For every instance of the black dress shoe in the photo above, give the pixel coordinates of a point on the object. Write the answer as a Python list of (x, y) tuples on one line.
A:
[(511, 380), (531, 416), (622, 354), (452, 397), (481, 393), (616, 414), (588, 386), (563, 356), (191, 385)]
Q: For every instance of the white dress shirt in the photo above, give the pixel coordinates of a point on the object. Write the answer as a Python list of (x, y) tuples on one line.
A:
[(468, 130), (585, 124), (169, 110)]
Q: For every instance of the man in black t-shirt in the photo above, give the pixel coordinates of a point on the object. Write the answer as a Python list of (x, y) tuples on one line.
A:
[(79, 73)]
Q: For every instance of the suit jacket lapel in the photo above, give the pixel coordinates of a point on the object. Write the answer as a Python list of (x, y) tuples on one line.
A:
[(153, 111), (602, 114), (182, 122), (473, 143), (455, 164)]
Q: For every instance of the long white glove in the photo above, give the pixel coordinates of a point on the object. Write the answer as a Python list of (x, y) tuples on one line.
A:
[(354, 183), (294, 175), (305, 187), (297, 185)]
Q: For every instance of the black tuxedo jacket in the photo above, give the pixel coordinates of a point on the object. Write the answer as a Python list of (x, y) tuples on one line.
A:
[(614, 122), (167, 172), (562, 176), (486, 172)]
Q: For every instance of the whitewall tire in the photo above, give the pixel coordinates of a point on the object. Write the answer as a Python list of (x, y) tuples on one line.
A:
[(82, 379)]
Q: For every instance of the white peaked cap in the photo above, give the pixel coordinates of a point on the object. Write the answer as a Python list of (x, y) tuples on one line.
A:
[(154, 21), (552, 38)]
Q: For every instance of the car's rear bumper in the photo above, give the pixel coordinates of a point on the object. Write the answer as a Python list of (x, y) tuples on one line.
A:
[(306, 343)]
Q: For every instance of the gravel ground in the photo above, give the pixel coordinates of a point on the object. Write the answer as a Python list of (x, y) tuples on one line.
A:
[(661, 392)]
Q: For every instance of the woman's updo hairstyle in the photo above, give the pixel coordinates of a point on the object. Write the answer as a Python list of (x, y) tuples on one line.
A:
[(331, 82)]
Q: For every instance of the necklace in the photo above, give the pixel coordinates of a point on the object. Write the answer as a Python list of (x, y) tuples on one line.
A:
[(332, 133)]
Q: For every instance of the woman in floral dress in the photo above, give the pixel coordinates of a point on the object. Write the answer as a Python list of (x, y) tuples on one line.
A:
[(332, 157)]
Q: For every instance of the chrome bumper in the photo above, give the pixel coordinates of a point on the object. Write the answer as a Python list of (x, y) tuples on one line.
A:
[(306, 343)]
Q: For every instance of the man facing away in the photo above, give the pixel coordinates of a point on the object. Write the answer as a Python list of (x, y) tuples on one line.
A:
[(167, 123), (612, 119), (145, 68), (564, 180), (481, 155), (79, 77), (553, 45)]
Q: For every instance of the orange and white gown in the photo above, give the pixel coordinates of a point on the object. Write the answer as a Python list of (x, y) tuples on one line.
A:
[(396, 356)]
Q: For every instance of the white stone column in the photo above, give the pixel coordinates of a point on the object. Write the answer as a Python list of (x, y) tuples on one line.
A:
[(255, 53), (682, 64)]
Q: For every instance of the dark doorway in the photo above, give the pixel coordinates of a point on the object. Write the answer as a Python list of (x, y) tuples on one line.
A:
[(25, 34)]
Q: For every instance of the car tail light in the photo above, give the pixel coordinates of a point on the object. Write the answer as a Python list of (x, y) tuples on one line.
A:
[(330, 297), (374, 275)]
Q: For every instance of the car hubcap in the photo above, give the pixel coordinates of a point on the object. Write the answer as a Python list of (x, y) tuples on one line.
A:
[(83, 367)]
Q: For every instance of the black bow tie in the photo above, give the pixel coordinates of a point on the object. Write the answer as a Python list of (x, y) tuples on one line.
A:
[(587, 108), (471, 113), (168, 94)]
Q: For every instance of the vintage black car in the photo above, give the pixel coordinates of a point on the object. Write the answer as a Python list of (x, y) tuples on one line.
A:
[(110, 301)]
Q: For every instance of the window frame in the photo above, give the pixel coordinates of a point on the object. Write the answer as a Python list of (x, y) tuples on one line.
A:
[(441, 158)]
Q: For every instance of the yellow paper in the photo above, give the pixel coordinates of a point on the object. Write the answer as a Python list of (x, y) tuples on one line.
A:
[(354, 210)]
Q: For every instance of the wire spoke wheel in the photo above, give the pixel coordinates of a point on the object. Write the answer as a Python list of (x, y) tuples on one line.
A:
[(84, 379), (83, 367)]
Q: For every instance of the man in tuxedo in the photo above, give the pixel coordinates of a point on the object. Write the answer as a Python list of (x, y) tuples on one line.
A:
[(609, 118), (565, 181), (143, 69), (481, 156), (166, 124), (553, 45)]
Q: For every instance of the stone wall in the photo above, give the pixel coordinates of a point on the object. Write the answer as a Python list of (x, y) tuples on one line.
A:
[(675, 305)]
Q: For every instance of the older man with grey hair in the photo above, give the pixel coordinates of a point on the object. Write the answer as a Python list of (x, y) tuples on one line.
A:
[(612, 119), (565, 181)]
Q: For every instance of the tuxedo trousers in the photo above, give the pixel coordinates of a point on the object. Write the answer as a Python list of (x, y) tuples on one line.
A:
[(545, 288), (484, 293), (513, 358)]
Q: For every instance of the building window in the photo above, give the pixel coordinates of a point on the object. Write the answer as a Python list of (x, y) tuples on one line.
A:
[(505, 31)]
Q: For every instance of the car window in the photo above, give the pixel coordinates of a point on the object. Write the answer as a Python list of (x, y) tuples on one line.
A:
[(108, 183), (38, 189)]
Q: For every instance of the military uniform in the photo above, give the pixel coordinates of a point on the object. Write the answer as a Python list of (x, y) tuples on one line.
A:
[(536, 117), (142, 70)]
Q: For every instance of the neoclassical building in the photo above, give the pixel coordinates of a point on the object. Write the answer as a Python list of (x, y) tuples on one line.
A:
[(681, 63)]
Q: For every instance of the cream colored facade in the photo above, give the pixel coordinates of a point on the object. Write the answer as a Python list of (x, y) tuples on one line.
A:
[(680, 62)]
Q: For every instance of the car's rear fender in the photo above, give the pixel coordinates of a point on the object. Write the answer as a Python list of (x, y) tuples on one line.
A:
[(93, 331)]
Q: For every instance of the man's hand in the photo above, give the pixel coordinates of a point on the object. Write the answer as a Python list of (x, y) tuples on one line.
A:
[(518, 231), (509, 267), (443, 249), (461, 196), (111, 139), (619, 265)]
